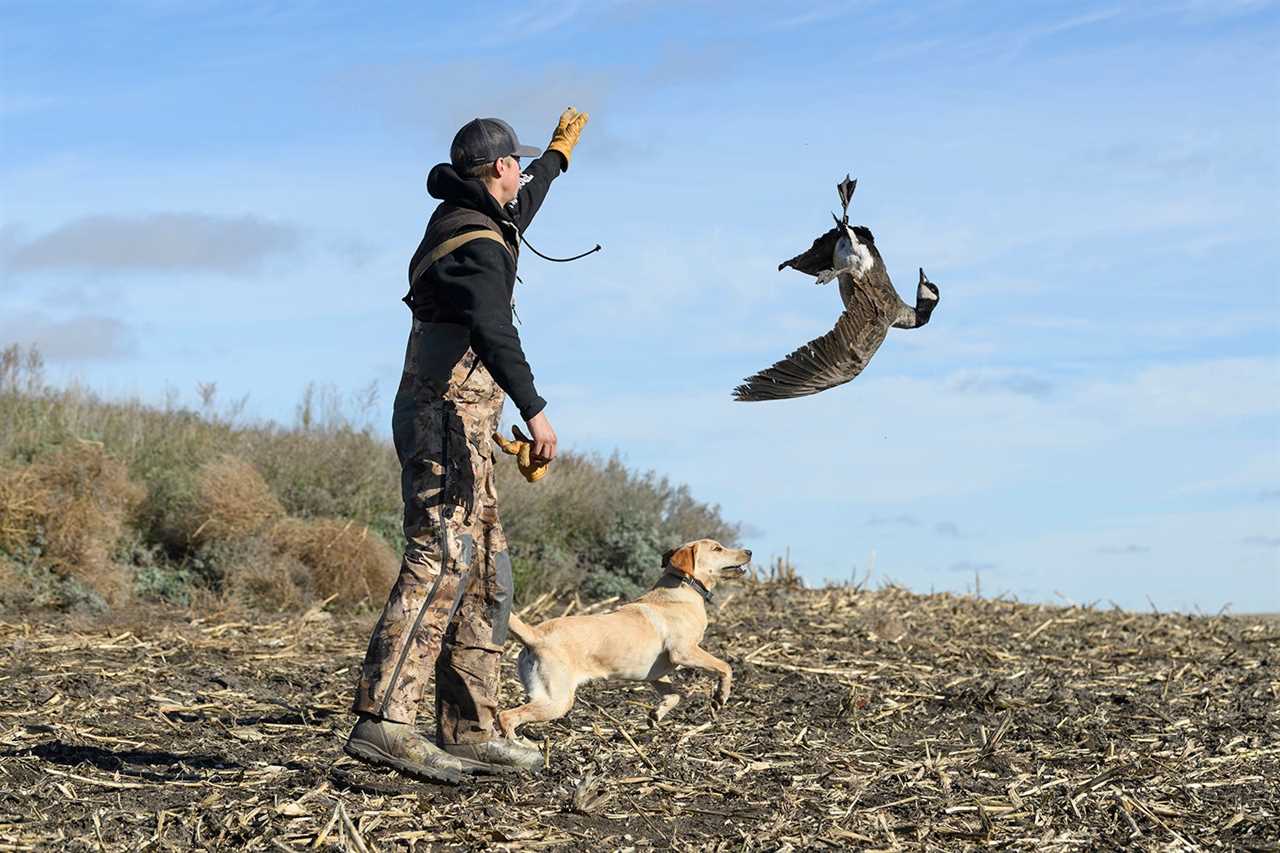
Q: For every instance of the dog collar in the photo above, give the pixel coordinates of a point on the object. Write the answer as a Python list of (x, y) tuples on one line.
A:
[(698, 586)]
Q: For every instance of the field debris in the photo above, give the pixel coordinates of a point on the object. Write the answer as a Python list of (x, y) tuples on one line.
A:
[(860, 720)]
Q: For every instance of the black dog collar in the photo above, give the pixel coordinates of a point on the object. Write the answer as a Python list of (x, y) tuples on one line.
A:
[(698, 587), (670, 579)]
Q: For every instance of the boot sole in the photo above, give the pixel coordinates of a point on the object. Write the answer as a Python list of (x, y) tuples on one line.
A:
[(372, 755)]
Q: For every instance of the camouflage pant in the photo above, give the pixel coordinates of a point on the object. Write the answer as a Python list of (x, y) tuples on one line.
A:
[(455, 560)]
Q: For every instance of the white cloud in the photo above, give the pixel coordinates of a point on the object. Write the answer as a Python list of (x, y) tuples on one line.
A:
[(999, 380), (81, 338), (158, 242), (1122, 550)]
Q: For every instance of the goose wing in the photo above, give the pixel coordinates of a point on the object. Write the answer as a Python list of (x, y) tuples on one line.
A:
[(824, 362), (817, 257)]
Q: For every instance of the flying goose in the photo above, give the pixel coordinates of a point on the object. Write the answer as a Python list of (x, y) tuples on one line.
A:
[(871, 305)]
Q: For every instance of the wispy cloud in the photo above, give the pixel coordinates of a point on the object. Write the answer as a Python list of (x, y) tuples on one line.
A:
[(540, 17), (893, 521), (1122, 550), (942, 528), (825, 13), (458, 91), (161, 242), (1074, 22), (947, 528), (1021, 382), (1261, 541), (88, 337)]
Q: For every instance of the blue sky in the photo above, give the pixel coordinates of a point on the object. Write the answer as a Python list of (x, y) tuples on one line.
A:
[(201, 191)]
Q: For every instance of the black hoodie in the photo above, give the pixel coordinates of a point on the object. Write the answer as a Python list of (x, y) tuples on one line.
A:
[(472, 285)]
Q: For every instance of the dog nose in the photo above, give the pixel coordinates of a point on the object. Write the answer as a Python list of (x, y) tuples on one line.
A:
[(748, 553)]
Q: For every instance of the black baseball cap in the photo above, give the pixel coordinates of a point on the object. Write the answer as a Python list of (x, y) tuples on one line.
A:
[(483, 140)]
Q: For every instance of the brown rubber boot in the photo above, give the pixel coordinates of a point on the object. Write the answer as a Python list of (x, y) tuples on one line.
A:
[(400, 747), (507, 753)]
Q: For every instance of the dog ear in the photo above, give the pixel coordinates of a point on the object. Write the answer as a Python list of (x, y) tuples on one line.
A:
[(682, 559)]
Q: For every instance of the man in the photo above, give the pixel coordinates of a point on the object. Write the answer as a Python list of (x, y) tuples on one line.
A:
[(463, 356)]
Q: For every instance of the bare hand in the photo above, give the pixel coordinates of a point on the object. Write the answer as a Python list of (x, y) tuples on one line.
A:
[(544, 437)]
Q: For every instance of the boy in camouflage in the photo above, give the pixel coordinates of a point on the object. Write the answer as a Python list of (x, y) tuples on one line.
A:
[(448, 609)]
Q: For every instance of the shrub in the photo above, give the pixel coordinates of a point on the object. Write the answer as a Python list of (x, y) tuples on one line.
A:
[(346, 561), (252, 572), (232, 501), (627, 560), (597, 526), (23, 503), (100, 496), (90, 497), (66, 514)]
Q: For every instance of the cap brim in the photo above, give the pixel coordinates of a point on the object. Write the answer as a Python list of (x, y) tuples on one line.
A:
[(527, 151)]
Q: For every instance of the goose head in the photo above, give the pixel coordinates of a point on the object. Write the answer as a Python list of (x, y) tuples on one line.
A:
[(927, 297)]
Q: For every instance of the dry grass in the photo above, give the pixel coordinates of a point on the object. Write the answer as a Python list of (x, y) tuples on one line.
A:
[(232, 501), (257, 574), (347, 563), (984, 724), (23, 504), (9, 577), (214, 482), (72, 508)]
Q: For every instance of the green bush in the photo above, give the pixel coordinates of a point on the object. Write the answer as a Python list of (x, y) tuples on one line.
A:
[(627, 560)]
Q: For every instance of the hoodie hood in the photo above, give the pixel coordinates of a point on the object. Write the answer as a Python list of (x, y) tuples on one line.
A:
[(444, 183)]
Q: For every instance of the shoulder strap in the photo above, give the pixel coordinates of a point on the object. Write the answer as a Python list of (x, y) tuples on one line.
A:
[(452, 243)]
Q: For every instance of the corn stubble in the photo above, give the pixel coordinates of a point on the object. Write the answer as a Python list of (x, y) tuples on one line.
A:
[(860, 719)]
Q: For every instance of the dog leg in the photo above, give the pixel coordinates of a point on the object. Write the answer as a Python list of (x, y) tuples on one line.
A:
[(699, 658), (535, 712), (552, 690), (671, 697)]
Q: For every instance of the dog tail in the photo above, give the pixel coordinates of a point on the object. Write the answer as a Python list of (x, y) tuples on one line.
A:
[(524, 632)]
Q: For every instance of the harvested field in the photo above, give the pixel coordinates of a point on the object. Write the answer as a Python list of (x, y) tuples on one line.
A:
[(860, 719)]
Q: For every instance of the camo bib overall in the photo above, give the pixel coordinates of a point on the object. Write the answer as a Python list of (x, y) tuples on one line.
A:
[(449, 607)]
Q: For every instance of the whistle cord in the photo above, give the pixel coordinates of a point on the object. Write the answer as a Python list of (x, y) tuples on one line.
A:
[(558, 260)]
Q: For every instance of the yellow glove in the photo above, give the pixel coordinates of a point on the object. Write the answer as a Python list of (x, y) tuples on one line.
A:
[(567, 133), (522, 449)]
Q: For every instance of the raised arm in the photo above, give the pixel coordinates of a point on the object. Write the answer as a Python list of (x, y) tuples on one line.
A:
[(541, 172)]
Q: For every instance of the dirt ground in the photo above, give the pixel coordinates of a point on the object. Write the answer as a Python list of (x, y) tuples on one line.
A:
[(859, 720)]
